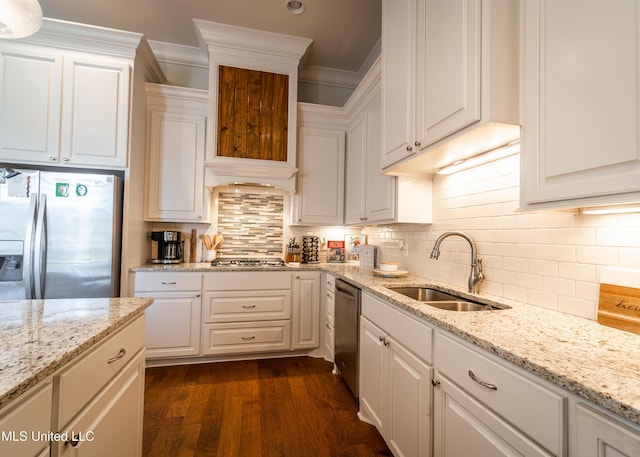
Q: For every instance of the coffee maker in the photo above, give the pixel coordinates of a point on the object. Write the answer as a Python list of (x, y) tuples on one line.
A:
[(166, 247)]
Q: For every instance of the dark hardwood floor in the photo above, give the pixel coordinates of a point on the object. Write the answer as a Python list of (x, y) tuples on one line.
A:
[(292, 407)]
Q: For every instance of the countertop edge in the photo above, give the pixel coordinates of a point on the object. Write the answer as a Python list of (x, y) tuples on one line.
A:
[(69, 357)]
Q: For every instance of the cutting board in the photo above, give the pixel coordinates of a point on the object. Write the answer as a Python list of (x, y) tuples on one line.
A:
[(619, 304)]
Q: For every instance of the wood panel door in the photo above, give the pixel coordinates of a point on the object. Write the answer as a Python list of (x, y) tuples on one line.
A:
[(252, 114)]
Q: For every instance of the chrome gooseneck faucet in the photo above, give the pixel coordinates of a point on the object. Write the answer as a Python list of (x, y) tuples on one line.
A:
[(476, 276)]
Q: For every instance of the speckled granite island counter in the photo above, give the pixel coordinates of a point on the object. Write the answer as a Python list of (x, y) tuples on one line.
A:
[(39, 337), (593, 361)]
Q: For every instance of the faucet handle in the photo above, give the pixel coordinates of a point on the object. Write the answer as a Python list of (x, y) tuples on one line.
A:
[(479, 265)]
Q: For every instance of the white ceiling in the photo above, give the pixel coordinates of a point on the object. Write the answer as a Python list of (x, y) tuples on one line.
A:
[(344, 32)]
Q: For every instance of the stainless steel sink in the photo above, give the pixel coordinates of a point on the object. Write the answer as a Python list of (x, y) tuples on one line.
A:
[(424, 294), (441, 300)]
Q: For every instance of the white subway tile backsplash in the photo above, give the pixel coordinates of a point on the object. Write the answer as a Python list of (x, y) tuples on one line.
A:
[(548, 259)]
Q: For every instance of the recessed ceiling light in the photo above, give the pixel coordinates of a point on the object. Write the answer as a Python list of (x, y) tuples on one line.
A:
[(294, 6)]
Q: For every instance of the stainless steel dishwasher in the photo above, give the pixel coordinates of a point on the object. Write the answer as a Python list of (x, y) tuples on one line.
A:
[(347, 329)]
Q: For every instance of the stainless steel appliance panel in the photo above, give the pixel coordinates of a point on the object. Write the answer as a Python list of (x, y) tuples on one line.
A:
[(347, 332), (60, 235), (83, 234), (18, 207)]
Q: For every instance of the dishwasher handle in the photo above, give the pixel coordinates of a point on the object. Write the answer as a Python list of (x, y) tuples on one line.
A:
[(347, 290)]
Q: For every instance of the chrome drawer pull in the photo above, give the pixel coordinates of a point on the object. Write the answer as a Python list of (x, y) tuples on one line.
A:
[(248, 306), (248, 338), (172, 283), (120, 355), (472, 375)]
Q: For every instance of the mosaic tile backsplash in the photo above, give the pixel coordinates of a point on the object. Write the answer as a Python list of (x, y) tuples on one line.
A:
[(251, 223)]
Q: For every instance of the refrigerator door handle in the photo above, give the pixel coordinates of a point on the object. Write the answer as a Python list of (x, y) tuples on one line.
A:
[(29, 248), (40, 249)]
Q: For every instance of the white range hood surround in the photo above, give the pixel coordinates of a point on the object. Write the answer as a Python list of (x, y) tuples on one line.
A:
[(240, 47), (250, 171)]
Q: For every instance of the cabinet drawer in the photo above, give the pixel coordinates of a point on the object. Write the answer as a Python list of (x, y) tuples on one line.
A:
[(247, 306), (528, 405), (247, 280), (331, 307), (239, 337), (80, 383), (412, 334), (167, 282), (330, 283)]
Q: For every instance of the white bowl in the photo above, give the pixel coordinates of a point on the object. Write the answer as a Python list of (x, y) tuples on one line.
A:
[(388, 266)]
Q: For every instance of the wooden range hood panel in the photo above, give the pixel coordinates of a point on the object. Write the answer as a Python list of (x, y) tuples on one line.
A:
[(251, 153), (252, 114)]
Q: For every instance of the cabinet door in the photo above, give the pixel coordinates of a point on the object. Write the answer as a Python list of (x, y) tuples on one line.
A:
[(448, 92), (175, 175), (173, 324), (597, 436), (320, 197), (111, 424), (581, 102), (30, 91), (31, 417), (373, 383), (408, 430), (95, 112), (355, 169), (306, 310), (465, 427), (380, 194), (399, 28)]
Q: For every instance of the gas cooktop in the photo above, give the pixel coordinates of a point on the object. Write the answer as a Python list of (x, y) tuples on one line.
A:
[(247, 262)]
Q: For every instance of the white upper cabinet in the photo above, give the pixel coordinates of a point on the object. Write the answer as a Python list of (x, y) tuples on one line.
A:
[(65, 95), (30, 98), (449, 81), (175, 155), (321, 151), (581, 107), (95, 111), (370, 196), (63, 108)]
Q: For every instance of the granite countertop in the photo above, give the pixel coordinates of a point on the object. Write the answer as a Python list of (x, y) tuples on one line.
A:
[(38, 337), (598, 363)]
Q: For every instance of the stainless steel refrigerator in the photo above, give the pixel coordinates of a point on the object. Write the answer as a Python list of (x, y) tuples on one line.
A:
[(60, 234)]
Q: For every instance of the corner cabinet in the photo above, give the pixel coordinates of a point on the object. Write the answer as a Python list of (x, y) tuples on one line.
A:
[(321, 153), (370, 196), (176, 128), (581, 103), (63, 108), (449, 81)]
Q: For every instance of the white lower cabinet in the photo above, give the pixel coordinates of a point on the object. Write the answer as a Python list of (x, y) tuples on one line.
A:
[(596, 434), (100, 398), (111, 424), (496, 408), (173, 320), (246, 312), (20, 422), (395, 378), (306, 310)]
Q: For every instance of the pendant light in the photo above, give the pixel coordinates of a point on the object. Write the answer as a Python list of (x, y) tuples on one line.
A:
[(19, 18)]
